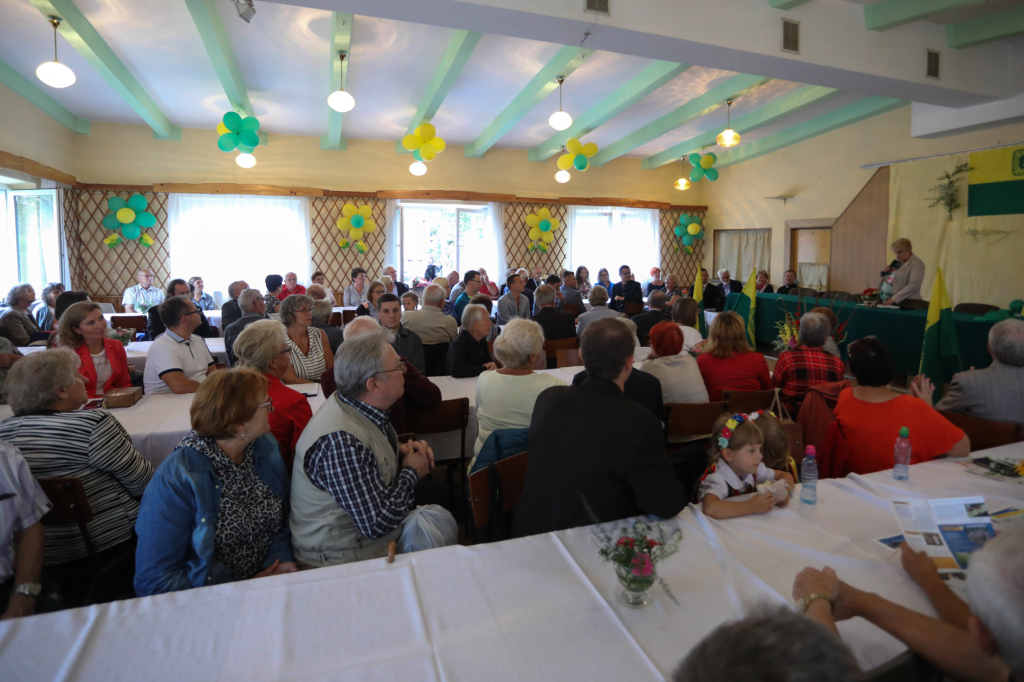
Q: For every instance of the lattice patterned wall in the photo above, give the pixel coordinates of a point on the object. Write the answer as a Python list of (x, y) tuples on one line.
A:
[(109, 271), (335, 262), (684, 267), (72, 237), (517, 239)]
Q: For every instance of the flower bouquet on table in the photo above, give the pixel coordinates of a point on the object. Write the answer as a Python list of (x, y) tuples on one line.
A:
[(872, 297), (125, 336), (415, 282), (789, 333), (635, 553)]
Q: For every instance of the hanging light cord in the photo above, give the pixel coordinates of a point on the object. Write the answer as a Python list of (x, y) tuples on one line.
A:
[(55, 22), (560, 79), (728, 114)]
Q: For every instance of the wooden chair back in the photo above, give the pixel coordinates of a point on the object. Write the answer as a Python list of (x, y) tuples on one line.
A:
[(808, 293), (974, 308), (572, 309), (449, 415), (327, 383), (841, 296), (983, 433), (552, 346), (70, 505), (511, 473), (540, 363), (335, 320), (913, 304), (347, 316), (129, 321), (749, 401), (693, 419), (569, 358), (633, 308)]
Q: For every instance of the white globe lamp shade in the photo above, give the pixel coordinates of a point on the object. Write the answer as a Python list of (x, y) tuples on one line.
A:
[(728, 138), (341, 101), (245, 160), (418, 168), (560, 120), (55, 74), (682, 184), (562, 176)]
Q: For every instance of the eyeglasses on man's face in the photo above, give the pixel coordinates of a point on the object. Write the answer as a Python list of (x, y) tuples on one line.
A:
[(400, 368)]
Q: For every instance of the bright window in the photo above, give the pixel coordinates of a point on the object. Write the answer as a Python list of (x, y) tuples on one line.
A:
[(31, 233), (450, 237), (609, 237)]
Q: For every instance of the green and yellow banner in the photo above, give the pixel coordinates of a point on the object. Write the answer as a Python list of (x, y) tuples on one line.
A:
[(995, 184), (940, 344), (698, 296), (746, 305)]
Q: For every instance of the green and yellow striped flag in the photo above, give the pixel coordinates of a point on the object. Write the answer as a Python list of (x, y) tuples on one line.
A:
[(698, 296), (746, 304), (939, 336), (995, 184)]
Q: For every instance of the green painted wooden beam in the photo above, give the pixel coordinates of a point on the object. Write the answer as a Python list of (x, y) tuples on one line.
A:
[(208, 22), (568, 59), (892, 13), (341, 40), (459, 50), (40, 100), (646, 82), (709, 101), (852, 113), (760, 117), (986, 29), (786, 4), (81, 35)]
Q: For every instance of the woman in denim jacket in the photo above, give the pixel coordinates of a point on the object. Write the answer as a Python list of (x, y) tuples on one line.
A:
[(217, 508)]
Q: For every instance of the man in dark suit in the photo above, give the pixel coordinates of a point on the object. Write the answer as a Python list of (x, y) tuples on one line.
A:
[(710, 292), (231, 310), (556, 324), (725, 287), (614, 468), (570, 294), (155, 326), (535, 279), (625, 291), (789, 285), (401, 288), (254, 309), (656, 302)]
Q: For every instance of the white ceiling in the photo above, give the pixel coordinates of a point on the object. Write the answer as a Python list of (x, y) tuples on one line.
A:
[(964, 14)]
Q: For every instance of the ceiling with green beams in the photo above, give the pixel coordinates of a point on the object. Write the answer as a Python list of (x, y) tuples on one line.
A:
[(174, 64)]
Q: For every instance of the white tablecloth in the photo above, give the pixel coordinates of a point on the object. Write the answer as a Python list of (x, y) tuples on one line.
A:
[(138, 350), (542, 607)]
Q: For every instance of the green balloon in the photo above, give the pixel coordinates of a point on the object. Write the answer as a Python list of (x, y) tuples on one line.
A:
[(684, 219), (137, 203), (416, 155), (545, 226), (111, 222), (245, 148), (145, 219), (251, 124), (233, 122), (357, 221), (228, 142), (249, 138), (688, 240), (699, 235), (580, 162), (694, 159), (115, 204), (712, 174), (131, 231), (679, 230), (696, 174), (713, 157)]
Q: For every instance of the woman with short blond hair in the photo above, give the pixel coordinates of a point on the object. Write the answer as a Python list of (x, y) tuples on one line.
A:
[(728, 363), (310, 349), (83, 329), (216, 510), (902, 279)]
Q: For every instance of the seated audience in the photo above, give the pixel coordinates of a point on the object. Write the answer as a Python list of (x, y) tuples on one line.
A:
[(871, 414), (672, 288), (806, 365), (614, 468), (322, 312), (527, 292), (43, 311), (410, 301), (316, 292), (583, 281), (471, 284), (455, 286), (789, 285), (143, 296), (231, 312), (275, 285), (435, 329), (321, 281), (775, 448), (736, 468), (155, 326), (261, 346), (505, 398), (677, 371), (710, 292), (726, 286), (604, 280), (217, 508), (389, 284), (104, 362), (311, 352), (401, 288), (980, 641), (355, 293), (449, 305), (353, 484), (684, 313), (291, 286), (555, 282), (763, 285), (656, 314), (254, 308), (655, 284), (570, 293), (202, 299), (406, 343), (515, 303), (15, 322), (487, 287), (598, 309), (728, 363), (21, 538), (627, 290), (533, 279), (468, 356), (772, 644), (555, 324), (68, 299), (830, 346), (179, 360), (58, 439), (486, 302), (9, 355)]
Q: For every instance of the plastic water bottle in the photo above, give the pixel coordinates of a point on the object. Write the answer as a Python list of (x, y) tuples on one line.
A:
[(809, 477), (901, 470)]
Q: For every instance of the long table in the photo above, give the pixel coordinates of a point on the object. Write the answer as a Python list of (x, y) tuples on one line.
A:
[(533, 608), (902, 331)]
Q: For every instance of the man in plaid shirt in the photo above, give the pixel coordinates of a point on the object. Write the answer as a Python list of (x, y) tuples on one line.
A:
[(808, 364)]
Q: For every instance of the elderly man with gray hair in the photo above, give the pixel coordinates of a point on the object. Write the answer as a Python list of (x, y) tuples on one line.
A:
[(253, 308), (435, 329), (808, 364), (469, 355), (353, 485), (231, 311), (599, 308), (995, 393)]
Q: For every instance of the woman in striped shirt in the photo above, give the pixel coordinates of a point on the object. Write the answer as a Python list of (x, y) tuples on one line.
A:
[(58, 439), (310, 350)]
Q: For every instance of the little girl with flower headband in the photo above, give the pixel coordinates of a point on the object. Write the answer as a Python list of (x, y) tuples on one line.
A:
[(736, 469)]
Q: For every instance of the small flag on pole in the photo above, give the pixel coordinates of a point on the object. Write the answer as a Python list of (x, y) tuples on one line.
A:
[(113, 240), (698, 296), (146, 240), (745, 306), (939, 336)]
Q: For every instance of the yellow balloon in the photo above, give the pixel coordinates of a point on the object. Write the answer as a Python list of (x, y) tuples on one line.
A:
[(369, 226), (439, 144), (349, 210), (565, 161), (544, 214), (222, 129), (573, 146), (554, 224), (534, 233), (427, 151), (589, 149), (707, 161), (547, 237), (412, 142), (343, 223), (532, 220), (426, 132), (356, 233), (366, 211), (693, 228), (125, 215)]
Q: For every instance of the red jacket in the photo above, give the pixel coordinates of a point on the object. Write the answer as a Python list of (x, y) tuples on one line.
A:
[(118, 359), (290, 416), (741, 372), (285, 293)]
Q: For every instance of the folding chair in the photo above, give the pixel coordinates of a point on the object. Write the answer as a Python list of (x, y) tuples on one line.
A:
[(748, 401), (450, 415), (494, 493)]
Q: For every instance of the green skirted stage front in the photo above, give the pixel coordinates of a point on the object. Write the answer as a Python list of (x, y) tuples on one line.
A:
[(902, 331)]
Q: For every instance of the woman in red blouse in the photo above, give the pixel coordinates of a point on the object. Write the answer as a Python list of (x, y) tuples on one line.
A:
[(104, 361), (262, 346), (728, 363)]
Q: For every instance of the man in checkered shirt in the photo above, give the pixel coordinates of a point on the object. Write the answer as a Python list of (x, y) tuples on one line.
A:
[(808, 364)]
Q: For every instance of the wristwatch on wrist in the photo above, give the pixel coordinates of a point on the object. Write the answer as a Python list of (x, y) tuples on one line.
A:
[(804, 602), (28, 589)]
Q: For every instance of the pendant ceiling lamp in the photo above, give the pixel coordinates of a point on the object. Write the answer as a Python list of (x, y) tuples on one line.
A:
[(560, 120), (55, 74), (418, 168), (245, 160), (728, 137), (683, 183), (340, 100), (563, 176)]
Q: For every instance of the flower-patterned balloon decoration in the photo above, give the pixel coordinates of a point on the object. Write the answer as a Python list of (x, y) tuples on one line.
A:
[(542, 230), (238, 133), (690, 230), (577, 155), (424, 143), (131, 217), (703, 167), (355, 221)]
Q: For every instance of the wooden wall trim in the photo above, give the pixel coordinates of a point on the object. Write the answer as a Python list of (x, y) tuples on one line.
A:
[(227, 188), (89, 187), (23, 165)]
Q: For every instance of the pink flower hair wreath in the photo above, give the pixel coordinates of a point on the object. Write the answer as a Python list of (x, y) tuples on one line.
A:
[(734, 421)]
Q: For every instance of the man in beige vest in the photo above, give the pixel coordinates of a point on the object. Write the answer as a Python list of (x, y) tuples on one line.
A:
[(352, 483)]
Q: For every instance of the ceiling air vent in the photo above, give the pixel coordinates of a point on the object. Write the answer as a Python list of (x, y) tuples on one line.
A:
[(597, 7), (933, 64), (791, 36)]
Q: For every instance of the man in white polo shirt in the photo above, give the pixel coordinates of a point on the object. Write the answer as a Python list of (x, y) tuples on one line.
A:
[(179, 360), (139, 299)]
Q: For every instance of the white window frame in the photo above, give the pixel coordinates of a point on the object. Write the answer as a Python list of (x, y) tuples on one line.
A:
[(459, 210), (9, 230)]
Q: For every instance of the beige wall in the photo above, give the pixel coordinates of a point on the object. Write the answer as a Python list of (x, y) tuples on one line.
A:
[(824, 175), (26, 131)]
